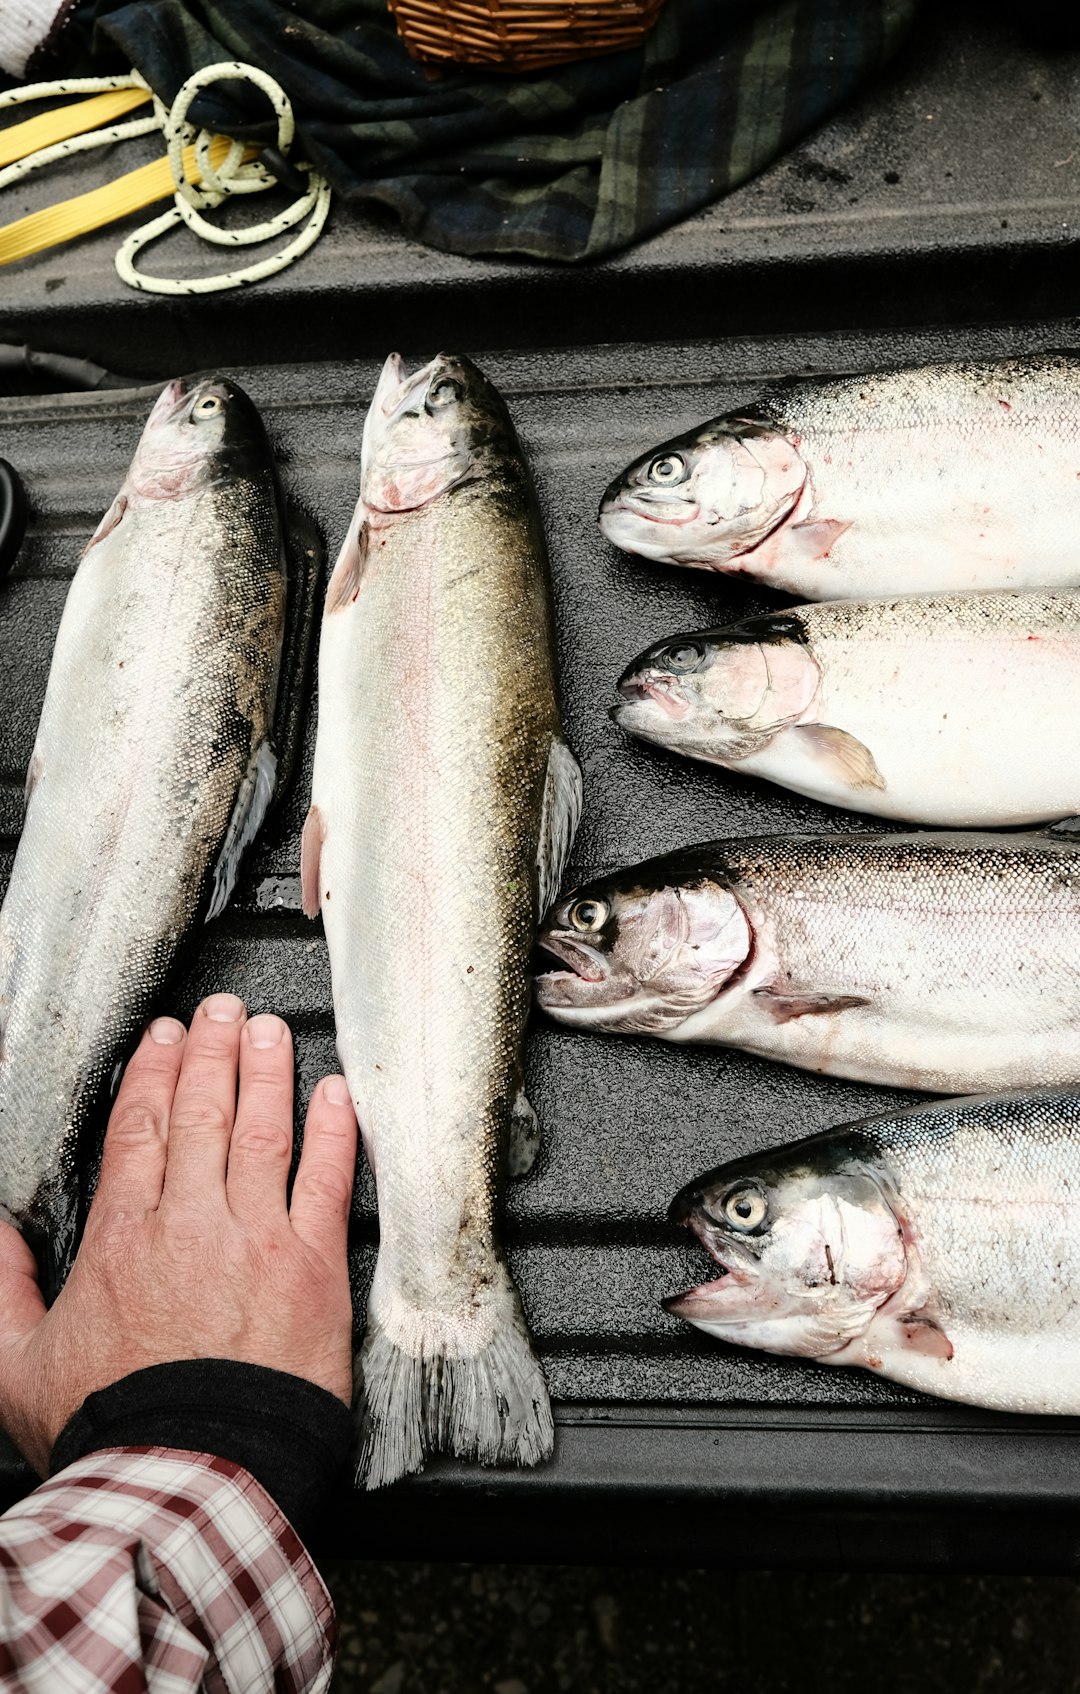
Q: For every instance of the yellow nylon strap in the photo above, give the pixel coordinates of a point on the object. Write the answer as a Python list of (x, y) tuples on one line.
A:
[(18, 140), (62, 222)]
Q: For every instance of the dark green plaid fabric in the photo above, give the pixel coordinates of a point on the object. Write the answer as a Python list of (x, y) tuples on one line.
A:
[(564, 165)]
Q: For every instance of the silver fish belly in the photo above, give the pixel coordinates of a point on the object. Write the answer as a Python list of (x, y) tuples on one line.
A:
[(440, 783), (152, 767), (910, 481), (938, 1247), (946, 962), (942, 709)]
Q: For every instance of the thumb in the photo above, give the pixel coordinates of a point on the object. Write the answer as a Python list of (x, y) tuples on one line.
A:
[(21, 1305)]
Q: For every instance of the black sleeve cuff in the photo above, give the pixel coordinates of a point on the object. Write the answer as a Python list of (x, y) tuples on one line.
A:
[(294, 1438)]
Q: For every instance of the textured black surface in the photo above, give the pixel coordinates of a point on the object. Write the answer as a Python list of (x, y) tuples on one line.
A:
[(948, 195), (650, 1412)]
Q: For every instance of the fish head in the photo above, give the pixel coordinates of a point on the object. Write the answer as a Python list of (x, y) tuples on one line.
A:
[(705, 497), (200, 430), (639, 955), (720, 693), (807, 1243), (430, 432)]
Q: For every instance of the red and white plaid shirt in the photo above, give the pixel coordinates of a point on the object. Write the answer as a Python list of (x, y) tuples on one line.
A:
[(143, 1568)]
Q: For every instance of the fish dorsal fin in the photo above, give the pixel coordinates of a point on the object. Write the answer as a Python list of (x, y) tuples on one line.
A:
[(559, 814), (840, 755), (254, 796)]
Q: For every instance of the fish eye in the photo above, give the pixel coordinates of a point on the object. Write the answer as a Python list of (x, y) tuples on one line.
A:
[(208, 407), (745, 1208), (683, 656), (444, 392), (589, 915), (668, 468)]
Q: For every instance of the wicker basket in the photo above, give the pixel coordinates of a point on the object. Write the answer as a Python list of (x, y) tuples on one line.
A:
[(521, 35)]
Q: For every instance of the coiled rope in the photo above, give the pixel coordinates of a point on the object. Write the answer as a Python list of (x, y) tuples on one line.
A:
[(221, 166)]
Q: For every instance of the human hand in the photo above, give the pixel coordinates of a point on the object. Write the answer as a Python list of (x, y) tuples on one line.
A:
[(190, 1250)]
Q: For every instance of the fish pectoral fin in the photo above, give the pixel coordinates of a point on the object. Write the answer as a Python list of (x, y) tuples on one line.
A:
[(559, 814), (108, 523), (524, 1143), (310, 854), (344, 584), (815, 538), (254, 796), (921, 1333), (784, 1008), (840, 754)]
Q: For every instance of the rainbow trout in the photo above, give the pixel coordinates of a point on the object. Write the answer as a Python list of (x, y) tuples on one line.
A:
[(443, 805), (153, 766), (939, 1247), (942, 709), (947, 962), (911, 481)]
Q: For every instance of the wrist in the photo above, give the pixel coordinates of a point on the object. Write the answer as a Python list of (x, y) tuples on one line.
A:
[(292, 1436)]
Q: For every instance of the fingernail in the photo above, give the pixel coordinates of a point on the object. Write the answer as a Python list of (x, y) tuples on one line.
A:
[(168, 1031), (224, 1008), (266, 1030), (336, 1090)]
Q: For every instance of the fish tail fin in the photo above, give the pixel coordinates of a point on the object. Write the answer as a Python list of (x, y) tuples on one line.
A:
[(490, 1405)]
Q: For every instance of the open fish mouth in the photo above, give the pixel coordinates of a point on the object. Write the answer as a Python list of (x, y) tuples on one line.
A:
[(733, 1272), (651, 514), (637, 691), (557, 958), (168, 403)]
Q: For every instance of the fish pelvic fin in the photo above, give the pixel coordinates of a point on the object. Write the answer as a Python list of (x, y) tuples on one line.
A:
[(491, 1406), (559, 816)]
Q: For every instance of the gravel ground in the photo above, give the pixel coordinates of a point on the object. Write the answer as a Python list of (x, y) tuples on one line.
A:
[(528, 1629)]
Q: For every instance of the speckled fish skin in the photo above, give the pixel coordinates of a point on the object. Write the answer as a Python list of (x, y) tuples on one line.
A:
[(152, 754), (938, 1247), (947, 962), (941, 709), (912, 481), (438, 731)]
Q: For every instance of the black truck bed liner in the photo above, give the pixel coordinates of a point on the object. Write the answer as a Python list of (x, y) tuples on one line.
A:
[(669, 1446)]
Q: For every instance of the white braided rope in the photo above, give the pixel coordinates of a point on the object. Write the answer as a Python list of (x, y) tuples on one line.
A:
[(231, 177), (75, 143)]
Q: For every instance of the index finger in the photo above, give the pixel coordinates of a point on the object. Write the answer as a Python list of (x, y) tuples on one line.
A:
[(322, 1192), (133, 1155)]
